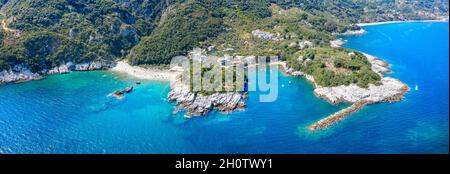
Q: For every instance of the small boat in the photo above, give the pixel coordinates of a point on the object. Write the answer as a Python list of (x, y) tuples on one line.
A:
[(138, 83), (417, 87)]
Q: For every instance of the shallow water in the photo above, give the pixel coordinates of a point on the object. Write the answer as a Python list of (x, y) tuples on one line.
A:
[(72, 113)]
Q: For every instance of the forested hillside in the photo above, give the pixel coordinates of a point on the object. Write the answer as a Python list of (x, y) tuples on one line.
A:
[(46, 33), (56, 31), (361, 11)]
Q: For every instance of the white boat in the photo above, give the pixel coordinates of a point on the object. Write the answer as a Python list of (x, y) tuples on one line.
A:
[(417, 87)]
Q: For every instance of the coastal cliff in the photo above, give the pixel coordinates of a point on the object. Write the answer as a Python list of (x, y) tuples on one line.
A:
[(18, 73)]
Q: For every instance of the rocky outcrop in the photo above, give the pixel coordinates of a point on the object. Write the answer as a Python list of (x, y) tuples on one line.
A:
[(21, 73), (68, 67), (292, 72), (352, 32), (337, 43), (60, 69), (18, 73), (305, 44), (379, 66), (96, 65), (391, 89), (199, 105), (301, 45), (353, 93)]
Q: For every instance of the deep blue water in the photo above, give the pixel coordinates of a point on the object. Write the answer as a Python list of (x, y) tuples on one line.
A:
[(71, 113)]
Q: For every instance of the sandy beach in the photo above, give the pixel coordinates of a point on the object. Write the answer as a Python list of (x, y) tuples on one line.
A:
[(394, 22), (145, 73)]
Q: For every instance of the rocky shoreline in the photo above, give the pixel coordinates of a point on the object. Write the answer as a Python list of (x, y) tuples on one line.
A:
[(352, 93), (194, 103), (438, 19), (352, 32), (21, 73), (390, 90), (356, 106), (199, 105)]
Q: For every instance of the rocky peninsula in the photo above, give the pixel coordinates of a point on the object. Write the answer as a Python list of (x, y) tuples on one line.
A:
[(194, 103), (390, 90)]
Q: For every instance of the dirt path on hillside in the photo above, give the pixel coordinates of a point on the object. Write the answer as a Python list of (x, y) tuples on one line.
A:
[(6, 28)]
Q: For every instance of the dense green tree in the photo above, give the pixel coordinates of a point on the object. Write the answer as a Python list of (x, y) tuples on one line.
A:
[(153, 31)]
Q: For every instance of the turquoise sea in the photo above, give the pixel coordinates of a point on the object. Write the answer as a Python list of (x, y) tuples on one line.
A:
[(72, 113)]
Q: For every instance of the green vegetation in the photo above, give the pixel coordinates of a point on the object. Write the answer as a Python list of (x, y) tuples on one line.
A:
[(213, 85), (362, 11), (334, 66), (53, 32), (77, 31), (44, 50), (291, 26), (185, 26)]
